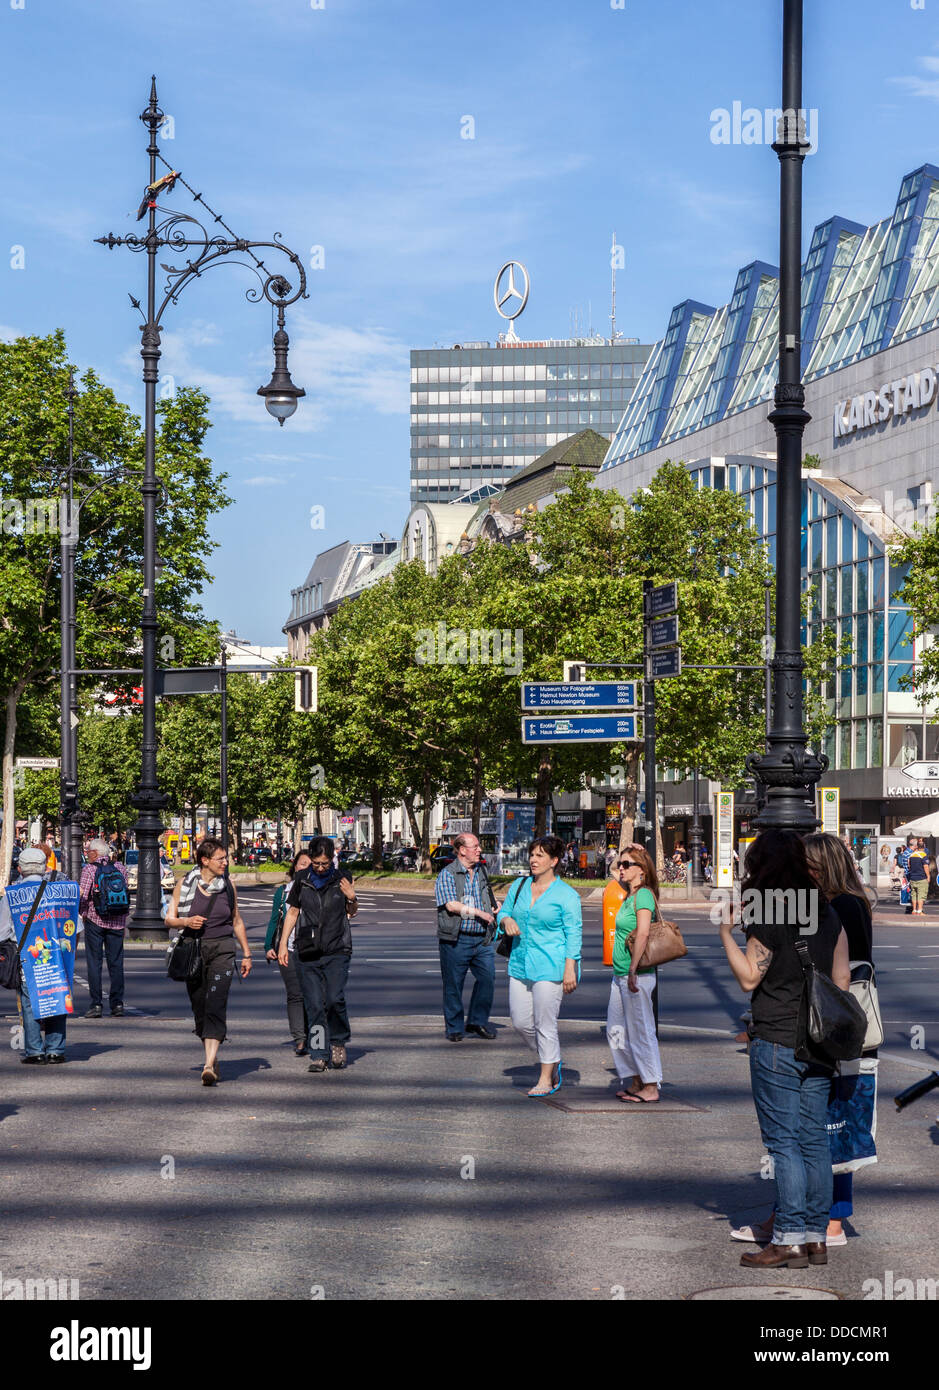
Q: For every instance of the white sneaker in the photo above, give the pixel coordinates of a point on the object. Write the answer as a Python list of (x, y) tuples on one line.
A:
[(755, 1234), (841, 1239)]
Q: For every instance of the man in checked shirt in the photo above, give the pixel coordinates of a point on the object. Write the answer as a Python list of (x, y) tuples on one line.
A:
[(465, 928)]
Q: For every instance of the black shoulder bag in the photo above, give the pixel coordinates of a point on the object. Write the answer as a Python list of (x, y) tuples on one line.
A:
[(10, 959), (834, 1020)]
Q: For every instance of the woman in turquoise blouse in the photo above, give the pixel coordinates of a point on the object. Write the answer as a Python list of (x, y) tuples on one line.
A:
[(630, 1021), (542, 916)]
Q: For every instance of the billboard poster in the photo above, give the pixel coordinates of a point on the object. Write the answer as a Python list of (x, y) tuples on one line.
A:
[(724, 836), (516, 822), (48, 953)]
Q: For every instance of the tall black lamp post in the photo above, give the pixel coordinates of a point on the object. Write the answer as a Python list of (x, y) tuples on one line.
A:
[(181, 234), (788, 770)]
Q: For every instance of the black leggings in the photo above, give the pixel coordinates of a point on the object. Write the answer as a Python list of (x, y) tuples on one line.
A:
[(209, 994)]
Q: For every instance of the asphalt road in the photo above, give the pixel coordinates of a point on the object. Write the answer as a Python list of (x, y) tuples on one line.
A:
[(395, 971)]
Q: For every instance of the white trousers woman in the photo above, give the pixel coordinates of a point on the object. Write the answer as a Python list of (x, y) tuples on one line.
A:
[(534, 1006), (630, 1030)]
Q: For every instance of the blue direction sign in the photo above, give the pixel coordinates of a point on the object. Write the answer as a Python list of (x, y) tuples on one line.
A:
[(664, 632), (662, 600), (582, 728), (576, 695), (661, 664)]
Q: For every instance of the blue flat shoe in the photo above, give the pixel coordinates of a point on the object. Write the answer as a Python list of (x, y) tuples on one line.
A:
[(540, 1095)]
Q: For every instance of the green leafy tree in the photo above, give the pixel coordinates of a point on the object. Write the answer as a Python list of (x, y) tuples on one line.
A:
[(34, 377)]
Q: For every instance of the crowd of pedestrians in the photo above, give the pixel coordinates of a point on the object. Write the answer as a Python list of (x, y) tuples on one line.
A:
[(816, 1114)]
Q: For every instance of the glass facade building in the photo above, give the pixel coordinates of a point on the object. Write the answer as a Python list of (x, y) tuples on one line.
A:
[(480, 413)]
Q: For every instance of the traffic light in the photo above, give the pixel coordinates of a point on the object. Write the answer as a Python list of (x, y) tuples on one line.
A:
[(575, 671), (304, 690)]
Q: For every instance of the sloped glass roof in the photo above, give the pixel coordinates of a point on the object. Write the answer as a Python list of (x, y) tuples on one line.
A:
[(863, 289)]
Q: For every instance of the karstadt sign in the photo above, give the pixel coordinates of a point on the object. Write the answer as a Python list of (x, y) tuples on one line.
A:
[(893, 398)]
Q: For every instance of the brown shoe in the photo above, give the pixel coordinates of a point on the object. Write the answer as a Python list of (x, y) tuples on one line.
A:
[(209, 1075), (817, 1252), (338, 1055), (777, 1257)]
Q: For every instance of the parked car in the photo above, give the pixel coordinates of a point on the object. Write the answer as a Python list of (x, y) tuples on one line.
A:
[(355, 858), (131, 864), (444, 855), (259, 854), (403, 858)]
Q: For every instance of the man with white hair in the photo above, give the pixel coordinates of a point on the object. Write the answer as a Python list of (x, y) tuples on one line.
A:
[(43, 1036), (104, 905)]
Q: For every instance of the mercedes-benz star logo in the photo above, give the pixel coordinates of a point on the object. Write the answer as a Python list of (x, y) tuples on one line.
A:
[(507, 290)]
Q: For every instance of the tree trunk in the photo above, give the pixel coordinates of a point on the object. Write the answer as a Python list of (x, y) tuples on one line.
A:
[(425, 826), (377, 834), (9, 804), (627, 833), (542, 792), (408, 800), (477, 787)]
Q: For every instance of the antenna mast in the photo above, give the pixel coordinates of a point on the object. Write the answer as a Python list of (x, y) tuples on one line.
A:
[(613, 294)]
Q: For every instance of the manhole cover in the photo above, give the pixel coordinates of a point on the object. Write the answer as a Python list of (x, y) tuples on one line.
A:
[(775, 1293)]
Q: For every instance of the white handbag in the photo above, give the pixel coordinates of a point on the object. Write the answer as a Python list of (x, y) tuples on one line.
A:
[(864, 989)]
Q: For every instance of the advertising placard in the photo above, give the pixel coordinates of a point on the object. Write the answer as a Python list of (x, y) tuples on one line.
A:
[(48, 954)]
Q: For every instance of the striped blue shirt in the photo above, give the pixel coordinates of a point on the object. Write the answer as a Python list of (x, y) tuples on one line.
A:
[(446, 891)]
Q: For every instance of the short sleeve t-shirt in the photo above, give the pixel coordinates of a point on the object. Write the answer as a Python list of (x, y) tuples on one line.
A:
[(776, 1001), (916, 868), (625, 925)]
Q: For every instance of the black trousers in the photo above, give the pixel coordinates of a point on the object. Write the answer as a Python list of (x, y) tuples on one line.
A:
[(296, 1013), (323, 983), (209, 994)]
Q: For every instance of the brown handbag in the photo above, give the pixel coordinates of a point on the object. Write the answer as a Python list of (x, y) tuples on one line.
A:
[(665, 943)]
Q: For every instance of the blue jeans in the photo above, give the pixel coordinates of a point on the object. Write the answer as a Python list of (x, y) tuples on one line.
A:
[(791, 1100), (46, 1035), (468, 952), (98, 941)]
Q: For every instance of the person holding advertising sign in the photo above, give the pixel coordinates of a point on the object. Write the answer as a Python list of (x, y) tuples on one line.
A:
[(47, 953)]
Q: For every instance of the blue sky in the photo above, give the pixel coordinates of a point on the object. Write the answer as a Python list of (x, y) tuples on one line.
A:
[(340, 127)]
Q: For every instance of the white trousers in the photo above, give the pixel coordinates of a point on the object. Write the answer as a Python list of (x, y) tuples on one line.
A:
[(630, 1030), (534, 1006)]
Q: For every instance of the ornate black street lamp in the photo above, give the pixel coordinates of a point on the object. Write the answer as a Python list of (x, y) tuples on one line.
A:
[(182, 234), (788, 770)]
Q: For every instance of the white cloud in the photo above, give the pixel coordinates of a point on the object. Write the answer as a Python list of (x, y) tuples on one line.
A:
[(919, 86), (263, 480)]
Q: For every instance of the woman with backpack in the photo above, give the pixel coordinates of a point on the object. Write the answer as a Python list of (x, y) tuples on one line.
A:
[(289, 973), (205, 901), (320, 903)]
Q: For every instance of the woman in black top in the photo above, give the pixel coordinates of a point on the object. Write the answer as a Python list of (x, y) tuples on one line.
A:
[(781, 905), (853, 1101), (205, 901), (319, 905)]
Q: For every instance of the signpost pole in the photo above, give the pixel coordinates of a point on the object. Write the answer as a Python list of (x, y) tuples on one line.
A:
[(224, 760), (648, 705)]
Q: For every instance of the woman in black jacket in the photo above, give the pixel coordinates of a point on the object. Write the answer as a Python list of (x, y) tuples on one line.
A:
[(319, 905)]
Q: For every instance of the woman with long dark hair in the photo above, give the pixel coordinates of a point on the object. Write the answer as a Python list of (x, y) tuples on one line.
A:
[(319, 905), (542, 916), (782, 904), (852, 1106), (289, 973), (630, 1022)]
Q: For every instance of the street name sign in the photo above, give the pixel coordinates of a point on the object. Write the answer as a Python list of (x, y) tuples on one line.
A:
[(664, 632), (926, 772), (37, 764), (621, 695), (662, 664), (189, 682), (597, 728), (662, 600)]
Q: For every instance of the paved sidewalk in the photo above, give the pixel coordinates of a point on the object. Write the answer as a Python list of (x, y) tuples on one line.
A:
[(359, 1182)]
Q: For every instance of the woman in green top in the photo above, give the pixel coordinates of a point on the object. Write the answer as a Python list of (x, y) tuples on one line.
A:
[(296, 1014), (630, 1023)]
